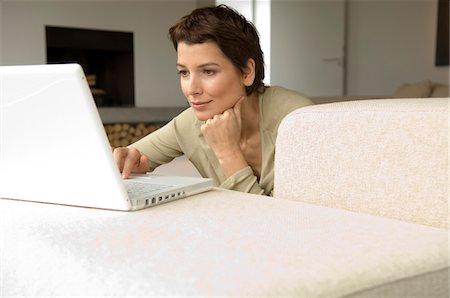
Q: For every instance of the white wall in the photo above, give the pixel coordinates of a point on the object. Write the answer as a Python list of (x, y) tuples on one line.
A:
[(1, 31), (156, 80), (391, 42), (305, 35)]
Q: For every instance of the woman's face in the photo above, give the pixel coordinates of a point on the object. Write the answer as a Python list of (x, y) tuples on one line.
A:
[(209, 80)]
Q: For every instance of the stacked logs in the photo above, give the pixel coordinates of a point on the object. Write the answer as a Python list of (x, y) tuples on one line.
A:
[(123, 134)]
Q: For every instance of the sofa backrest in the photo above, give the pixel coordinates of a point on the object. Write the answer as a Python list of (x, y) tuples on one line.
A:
[(384, 157)]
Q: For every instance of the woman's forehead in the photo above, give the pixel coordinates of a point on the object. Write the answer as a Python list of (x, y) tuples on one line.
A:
[(200, 52)]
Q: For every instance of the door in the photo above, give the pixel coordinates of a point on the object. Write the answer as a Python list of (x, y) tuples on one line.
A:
[(307, 46)]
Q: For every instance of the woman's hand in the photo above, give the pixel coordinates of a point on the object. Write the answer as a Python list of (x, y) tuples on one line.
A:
[(223, 135), (130, 160)]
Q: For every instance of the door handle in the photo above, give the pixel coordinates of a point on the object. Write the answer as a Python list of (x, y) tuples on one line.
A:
[(338, 60)]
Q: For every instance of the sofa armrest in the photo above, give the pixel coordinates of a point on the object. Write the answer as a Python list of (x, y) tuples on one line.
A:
[(384, 157)]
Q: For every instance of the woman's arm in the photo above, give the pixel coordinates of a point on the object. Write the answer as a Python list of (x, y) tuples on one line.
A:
[(153, 150), (245, 181)]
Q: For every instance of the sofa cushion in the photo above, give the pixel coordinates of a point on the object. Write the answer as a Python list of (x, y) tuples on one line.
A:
[(383, 157), (217, 244), (414, 90), (440, 90)]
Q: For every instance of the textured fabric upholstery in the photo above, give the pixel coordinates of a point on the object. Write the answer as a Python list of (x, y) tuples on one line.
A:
[(382, 157), (217, 244)]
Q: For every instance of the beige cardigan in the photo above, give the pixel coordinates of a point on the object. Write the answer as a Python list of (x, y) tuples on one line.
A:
[(182, 135)]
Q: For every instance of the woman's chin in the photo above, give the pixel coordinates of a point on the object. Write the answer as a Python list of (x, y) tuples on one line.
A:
[(206, 114), (203, 116)]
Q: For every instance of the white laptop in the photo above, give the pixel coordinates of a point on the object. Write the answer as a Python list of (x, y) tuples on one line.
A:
[(53, 147)]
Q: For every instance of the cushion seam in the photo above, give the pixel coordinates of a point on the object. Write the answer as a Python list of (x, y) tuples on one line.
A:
[(352, 294)]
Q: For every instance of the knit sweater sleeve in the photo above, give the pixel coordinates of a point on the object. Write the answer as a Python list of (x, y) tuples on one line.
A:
[(245, 181)]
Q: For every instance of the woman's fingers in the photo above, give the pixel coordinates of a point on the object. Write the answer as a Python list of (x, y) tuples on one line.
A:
[(130, 160), (120, 155)]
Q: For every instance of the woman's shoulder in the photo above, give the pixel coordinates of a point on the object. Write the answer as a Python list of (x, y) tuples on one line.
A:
[(283, 100), (186, 117), (186, 123)]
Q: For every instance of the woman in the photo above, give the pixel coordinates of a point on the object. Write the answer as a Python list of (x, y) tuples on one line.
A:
[(229, 131)]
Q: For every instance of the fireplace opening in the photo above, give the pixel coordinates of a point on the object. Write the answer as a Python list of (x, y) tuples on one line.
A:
[(106, 57)]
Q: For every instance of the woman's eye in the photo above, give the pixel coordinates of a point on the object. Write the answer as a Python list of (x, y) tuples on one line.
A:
[(209, 72), (183, 73)]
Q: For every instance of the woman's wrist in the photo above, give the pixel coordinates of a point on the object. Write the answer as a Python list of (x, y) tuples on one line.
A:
[(231, 162)]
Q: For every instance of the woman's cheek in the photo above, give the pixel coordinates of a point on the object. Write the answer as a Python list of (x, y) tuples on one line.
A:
[(183, 86)]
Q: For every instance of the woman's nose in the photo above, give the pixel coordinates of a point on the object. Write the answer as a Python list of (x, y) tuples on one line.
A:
[(194, 85)]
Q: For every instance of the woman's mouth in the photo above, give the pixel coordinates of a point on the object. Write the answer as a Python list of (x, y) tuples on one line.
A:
[(199, 105)]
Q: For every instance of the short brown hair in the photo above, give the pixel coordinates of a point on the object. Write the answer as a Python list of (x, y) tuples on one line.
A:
[(236, 37)]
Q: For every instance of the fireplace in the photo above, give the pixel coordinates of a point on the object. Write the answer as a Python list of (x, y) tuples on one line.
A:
[(106, 57)]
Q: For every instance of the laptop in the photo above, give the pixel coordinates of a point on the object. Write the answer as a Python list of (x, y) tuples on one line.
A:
[(54, 149)]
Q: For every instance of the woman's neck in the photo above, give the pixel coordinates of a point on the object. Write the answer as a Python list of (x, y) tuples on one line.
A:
[(250, 116)]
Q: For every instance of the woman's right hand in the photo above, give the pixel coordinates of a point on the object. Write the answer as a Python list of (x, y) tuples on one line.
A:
[(130, 160)]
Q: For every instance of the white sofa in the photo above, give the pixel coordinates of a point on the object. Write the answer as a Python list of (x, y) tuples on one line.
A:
[(360, 210)]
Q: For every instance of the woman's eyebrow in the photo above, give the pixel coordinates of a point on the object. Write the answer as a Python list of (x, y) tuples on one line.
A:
[(208, 64), (201, 65)]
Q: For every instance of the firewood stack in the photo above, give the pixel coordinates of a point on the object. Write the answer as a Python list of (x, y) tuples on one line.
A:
[(97, 93), (123, 134)]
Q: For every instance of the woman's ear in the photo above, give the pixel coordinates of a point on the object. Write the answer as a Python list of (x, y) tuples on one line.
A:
[(248, 75)]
